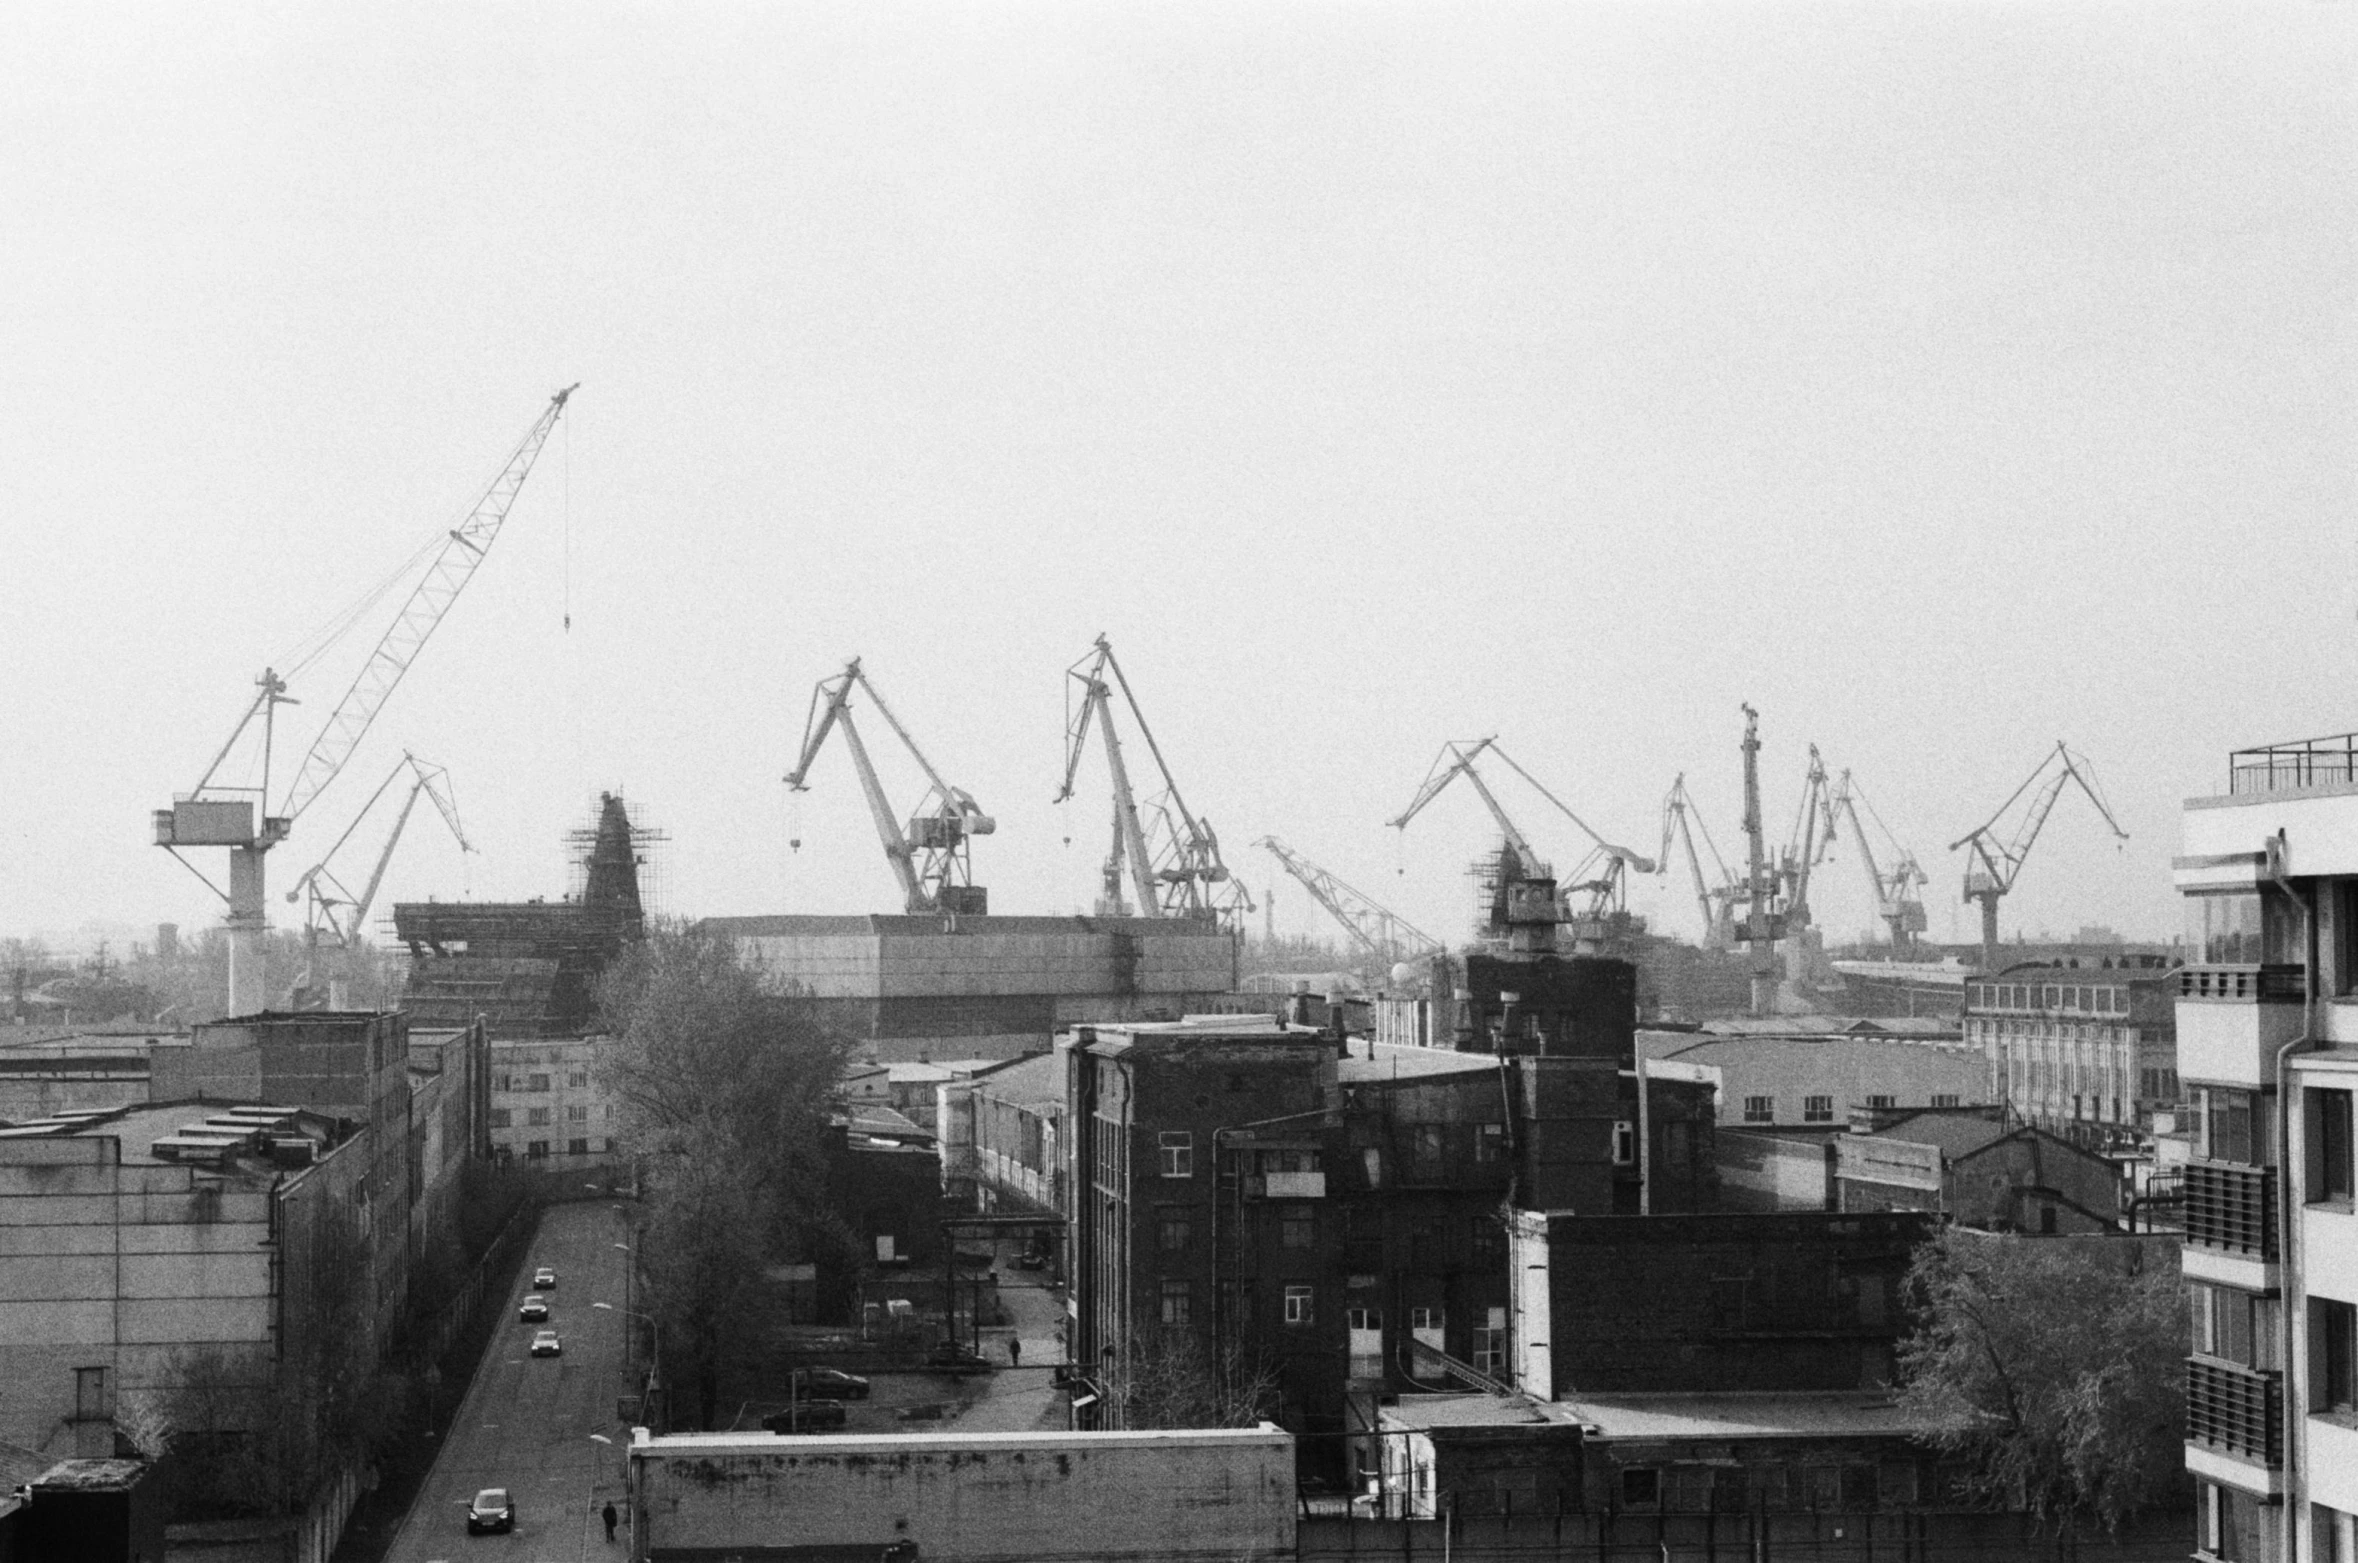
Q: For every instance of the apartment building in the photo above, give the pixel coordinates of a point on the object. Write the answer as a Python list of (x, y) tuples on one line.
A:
[(2085, 1048), (2267, 1031), (547, 1108)]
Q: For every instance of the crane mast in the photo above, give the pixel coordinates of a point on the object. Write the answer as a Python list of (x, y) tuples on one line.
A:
[(1995, 864), (1763, 924), (1378, 931), (213, 815), (931, 859)]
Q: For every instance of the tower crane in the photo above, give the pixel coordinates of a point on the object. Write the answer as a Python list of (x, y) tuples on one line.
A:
[(1995, 863), (1178, 874), (335, 911), (218, 814), (1715, 898), (1896, 901), (1384, 935), (931, 859), (1524, 871)]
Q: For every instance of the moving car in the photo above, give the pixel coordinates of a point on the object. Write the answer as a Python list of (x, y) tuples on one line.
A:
[(830, 1384), (544, 1279), (534, 1311), (546, 1344), (812, 1416), (493, 1509)]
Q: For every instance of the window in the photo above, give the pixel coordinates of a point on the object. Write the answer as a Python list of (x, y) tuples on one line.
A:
[(1760, 1109), (1173, 1231), (1817, 1109), (1625, 1144), (578, 1078), (536, 1116), (538, 1083), (2333, 1356), (499, 1117), (1490, 1142), (537, 1148), (90, 1397), (577, 1115), (2250, 929), (1641, 1487), (1428, 1146), (2331, 1539), (1490, 1342), (1946, 1099), (2231, 1131), (1301, 1305), (1880, 1101), (1178, 1152), (503, 1082), (1427, 1321), (2327, 1115), (1178, 1305), (2232, 1325), (1297, 1226), (1362, 1320), (577, 1147)]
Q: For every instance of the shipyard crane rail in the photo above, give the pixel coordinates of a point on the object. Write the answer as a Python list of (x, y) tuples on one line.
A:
[(1996, 862), (221, 815), (337, 911), (1382, 933), (931, 859), (1896, 901), (1714, 899), (1181, 874)]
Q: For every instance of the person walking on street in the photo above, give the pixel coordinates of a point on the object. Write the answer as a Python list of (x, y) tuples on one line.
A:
[(1014, 1352), (610, 1517)]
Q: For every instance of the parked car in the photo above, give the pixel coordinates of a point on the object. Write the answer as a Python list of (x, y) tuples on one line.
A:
[(812, 1416), (1031, 1261), (493, 1509), (546, 1344), (544, 1279), (830, 1384), (952, 1358), (534, 1311)]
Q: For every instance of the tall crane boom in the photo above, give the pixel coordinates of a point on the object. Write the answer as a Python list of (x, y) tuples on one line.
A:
[(931, 859), (1813, 827), (221, 815), (1377, 930), (1715, 899), (1896, 901), (1180, 873), (1996, 863), (337, 911)]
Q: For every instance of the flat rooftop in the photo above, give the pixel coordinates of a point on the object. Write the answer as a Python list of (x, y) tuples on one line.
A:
[(1792, 1414)]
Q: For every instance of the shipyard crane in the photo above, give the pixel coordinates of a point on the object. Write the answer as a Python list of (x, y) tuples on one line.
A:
[(1382, 933), (1995, 862), (1896, 900), (931, 859), (216, 813), (1715, 898), (1813, 828), (1178, 874), (1603, 872), (336, 912)]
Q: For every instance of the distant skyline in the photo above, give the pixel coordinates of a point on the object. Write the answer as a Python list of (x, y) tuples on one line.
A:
[(1943, 381)]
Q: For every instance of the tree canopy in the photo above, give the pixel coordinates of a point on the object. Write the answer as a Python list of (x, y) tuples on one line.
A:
[(2053, 1365)]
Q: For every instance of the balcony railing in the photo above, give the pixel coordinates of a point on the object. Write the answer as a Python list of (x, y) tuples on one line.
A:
[(2247, 983), (2237, 1409), (2290, 767), (2231, 1207)]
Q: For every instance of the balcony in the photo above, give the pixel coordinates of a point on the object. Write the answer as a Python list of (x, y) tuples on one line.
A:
[(2235, 1409), (1286, 1185), (2232, 1207), (2245, 984)]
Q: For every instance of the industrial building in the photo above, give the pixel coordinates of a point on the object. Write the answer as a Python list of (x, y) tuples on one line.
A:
[(2268, 1053), (1811, 1073), (1977, 1167), (2085, 1049)]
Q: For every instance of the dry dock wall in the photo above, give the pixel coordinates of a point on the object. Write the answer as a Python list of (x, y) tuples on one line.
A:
[(1220, 1496)]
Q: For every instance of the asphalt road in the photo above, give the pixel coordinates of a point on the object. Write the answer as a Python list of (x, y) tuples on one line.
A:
[(527, 1420)]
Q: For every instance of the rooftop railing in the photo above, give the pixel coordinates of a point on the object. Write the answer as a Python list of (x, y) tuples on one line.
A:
[(2291, 767)]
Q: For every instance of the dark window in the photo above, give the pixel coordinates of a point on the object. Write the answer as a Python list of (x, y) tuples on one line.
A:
[(1298, 1227), (1490, 1142), (1430, 1141), (2333, 1355), (2227, 1126), (1760, 1109), (1880, 1101), (578, 1077), (1941, 1099), (2329, 1161), (537, 1115), (1178, 1304), (577, 1147), (1641, 1487), (537, 1148), (1173, 1231), (1817, 1109), (499, 1117), (539, 1083)]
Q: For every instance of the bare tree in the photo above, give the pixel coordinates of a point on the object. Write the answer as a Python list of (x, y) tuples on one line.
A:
[(1176, 1380), (2052, 1365)]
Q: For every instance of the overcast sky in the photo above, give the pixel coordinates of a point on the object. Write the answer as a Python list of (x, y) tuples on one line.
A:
[(1943, 380)]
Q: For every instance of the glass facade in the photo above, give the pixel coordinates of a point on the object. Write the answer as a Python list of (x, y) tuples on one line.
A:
[(2245, 928)]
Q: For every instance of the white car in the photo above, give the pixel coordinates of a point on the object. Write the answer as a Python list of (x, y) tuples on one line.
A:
[(546, 1344), (544, 1279)]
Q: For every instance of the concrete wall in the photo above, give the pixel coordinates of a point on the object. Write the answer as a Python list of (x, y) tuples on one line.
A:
[(1221, 1496)]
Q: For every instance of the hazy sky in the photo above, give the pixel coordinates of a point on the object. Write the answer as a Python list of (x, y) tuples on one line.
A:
[(1943, 379)]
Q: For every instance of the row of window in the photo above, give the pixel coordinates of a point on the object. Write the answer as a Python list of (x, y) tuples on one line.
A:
[(576, 1080), (536, 1150), (1177, 1300), (504, 1117), (1816, 1109), (2040, 997)]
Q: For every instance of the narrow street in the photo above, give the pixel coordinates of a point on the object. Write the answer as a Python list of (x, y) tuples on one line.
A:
[(1023, 1397), (527, 1421)]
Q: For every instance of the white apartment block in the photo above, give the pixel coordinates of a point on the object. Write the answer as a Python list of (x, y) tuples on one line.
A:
[(2268, 1056), (545, 1102)]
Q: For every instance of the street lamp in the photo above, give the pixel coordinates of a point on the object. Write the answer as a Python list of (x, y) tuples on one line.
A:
[(655, 1327)]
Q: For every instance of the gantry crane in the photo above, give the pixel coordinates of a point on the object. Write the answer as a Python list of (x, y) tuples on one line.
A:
[(1896, 900), (1179, 872), (1715, 898), (1382, 933), (931, 859), (1994, 864), (1602, 874), (218, 814), (335, 912)]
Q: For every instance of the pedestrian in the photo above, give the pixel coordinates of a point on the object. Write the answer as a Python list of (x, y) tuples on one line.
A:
[(609, 1516), (1014, 1352)]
